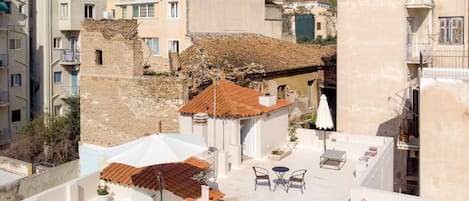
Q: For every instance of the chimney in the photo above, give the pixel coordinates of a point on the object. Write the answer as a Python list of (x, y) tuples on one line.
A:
[(267, 100), (205, 193), (200, 125)]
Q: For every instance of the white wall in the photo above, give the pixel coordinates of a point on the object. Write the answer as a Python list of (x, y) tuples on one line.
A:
[(272, 132), (369, 194)]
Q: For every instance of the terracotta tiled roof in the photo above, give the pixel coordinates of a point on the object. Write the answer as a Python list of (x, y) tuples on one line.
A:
[(239, 50), (232, 101), (176, 177)]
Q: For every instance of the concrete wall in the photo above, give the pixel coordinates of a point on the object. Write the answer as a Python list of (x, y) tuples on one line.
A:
[(444, 117), (230, 16), (29, 186), (16, 166), (371, 65)]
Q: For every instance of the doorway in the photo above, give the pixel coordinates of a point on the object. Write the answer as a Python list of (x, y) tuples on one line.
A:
[(248, 138)]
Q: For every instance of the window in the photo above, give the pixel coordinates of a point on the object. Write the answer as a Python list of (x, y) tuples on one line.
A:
[(173, 10), (113, 11), (451, 30), (99, 57), (281, 91), (22, 9), (57, 110), (318, 26), (57, 43), (9, 7), (58, 77), (173, 46), (15, 44), (124, 12), (143, 10), (15, 80), (153, 44), (15, 115), (89, 10), (63, 11)]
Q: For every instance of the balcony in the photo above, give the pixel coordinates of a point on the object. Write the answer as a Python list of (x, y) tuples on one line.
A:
[(419, 4), (70, 58), (3, 61), (455, 59), (414, 50), (4, 102)]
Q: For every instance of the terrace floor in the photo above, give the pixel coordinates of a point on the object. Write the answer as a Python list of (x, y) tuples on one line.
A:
[(321, 184)]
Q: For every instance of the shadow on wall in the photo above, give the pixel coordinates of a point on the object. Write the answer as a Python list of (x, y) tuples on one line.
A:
[(390, 128)]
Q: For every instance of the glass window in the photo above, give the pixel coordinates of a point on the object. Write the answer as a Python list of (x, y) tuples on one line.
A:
[(57, 43), (173, 10), (89, 10), (173, 46), (135, 11), (15, 80), (143, 10), (124, 12), (451, 30), (63, 10), (15, 115), (15, 44), (153, 44), (58, 77)]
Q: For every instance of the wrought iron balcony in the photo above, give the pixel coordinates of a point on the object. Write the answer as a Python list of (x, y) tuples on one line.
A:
[(70, 57), (449, 59), (427, 4), (4, 102)]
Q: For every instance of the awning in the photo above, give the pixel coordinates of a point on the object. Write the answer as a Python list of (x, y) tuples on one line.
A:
[(4, 7)]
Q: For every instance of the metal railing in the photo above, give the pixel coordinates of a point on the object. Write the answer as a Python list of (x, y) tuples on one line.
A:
[(3, 60), (71, 56), (411, 189), (449, 59)]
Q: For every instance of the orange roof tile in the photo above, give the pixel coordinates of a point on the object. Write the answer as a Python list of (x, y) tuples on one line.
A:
[(232, 101), (177, 177)]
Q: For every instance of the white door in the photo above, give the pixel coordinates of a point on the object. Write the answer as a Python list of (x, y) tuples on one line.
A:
[(248, 136)]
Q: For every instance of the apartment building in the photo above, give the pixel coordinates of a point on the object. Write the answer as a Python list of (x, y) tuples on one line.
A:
[(163, 25), (14, 67), (55, 50), (382, 47)]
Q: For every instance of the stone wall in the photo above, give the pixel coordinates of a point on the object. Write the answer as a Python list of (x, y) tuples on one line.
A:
[(118, 110)]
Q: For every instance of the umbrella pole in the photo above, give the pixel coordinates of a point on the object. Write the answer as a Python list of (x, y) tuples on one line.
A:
[(324, 140), (160, 180)]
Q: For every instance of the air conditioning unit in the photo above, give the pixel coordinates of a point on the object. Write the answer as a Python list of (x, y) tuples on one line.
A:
[(108, 15)]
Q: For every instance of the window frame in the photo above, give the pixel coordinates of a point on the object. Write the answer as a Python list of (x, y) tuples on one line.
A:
[(150, 41), (16, 80), (15, 115), (170, 10), (124, 14), (63, 11), (58, 110), (171, 44), (145, 7), (87, 11), (447, 29), (59, 79), (57, 43), (18, 44)]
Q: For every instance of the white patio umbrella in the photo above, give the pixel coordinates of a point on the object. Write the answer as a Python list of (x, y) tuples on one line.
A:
[(324, 118), (159, 149)]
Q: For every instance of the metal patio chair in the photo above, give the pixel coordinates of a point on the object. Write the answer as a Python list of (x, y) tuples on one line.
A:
[(297, 176), (261, 174)]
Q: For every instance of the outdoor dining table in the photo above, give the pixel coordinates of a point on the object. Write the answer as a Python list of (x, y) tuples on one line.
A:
[(280, 172)]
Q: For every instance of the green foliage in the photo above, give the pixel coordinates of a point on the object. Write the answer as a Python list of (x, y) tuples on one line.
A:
[(333, 3), (302, 39), (328, 40), (49, 138), (102, 190), (154, 73), (292, 132)]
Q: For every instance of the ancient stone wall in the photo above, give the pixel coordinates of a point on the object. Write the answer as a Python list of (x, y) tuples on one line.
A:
[(117, 110)]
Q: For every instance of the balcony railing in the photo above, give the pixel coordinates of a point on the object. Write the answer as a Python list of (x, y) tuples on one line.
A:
[(449, 59), (70, 57), (4, 98), (3, 60), (415, 49), (419, 3), (407, 142)]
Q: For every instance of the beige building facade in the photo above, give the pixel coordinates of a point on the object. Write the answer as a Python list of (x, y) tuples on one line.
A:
[(56, 51), (381, 47), (14, 68), (163, 25)]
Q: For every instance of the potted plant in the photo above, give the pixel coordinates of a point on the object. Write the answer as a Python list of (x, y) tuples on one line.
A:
[(103, 194), (293, 139)]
